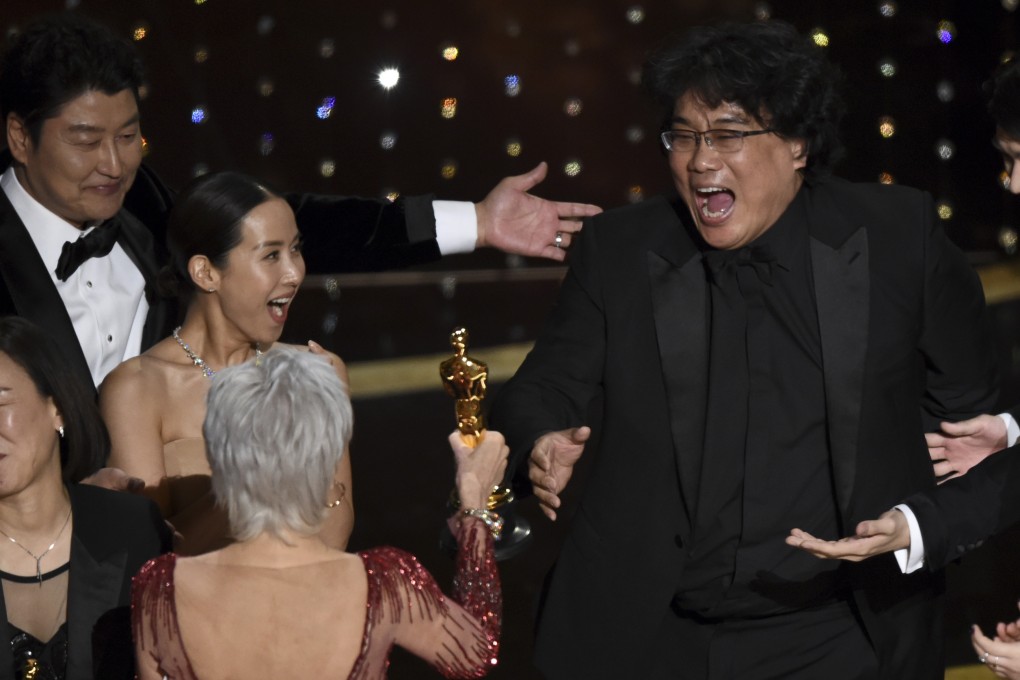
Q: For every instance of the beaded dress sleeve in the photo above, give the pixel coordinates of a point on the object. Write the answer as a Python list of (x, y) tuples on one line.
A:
[(458, 635), (158, 647)]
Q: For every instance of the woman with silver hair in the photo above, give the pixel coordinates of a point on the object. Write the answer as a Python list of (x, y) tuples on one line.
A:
[(279, 602)]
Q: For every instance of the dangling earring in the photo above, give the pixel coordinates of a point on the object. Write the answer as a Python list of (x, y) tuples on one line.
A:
[(61, 431), (342, 488)]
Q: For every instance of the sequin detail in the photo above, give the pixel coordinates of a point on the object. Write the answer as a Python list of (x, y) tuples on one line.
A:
[(458, 635), (405, 604)]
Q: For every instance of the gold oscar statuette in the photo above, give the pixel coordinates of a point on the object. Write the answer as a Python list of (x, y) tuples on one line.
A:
[(464, 379)]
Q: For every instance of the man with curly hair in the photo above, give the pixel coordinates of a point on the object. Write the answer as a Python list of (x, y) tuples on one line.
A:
[(767, 352)]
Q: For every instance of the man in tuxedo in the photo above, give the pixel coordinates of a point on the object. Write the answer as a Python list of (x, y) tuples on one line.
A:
[(69, 98), (767, 353)]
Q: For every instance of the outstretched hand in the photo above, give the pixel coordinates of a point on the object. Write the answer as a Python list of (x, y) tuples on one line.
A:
[(552, 463), (960, 446), (514, 221), (873, 537)]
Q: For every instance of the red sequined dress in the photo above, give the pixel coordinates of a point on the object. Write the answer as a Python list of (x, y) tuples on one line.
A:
[(458, 635)]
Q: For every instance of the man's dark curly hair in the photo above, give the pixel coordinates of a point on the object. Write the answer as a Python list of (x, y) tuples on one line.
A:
[(1003, 90), (776, 75), (58, 58)]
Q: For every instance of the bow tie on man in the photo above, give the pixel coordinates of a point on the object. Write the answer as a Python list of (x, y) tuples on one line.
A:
[(97, 243), (760, 258)]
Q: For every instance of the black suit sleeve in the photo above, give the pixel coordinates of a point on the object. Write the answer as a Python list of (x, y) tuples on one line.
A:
[(961, 514), (961, 372), (343, 234), (561, 375)]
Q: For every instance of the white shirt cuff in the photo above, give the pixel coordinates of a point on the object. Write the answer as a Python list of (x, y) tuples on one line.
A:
[(910, 558), (1012, 429), (456, 226)]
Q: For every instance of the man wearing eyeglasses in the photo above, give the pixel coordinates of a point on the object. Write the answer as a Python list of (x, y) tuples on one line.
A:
[(767, 353)]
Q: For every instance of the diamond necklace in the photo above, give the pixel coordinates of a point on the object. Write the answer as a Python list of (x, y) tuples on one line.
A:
[(38, 558), (199, 361)]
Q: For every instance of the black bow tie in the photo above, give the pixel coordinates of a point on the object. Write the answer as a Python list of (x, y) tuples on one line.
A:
[(98, 243), (760, 258)]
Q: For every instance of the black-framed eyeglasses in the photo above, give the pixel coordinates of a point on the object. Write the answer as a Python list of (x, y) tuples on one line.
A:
[(723, 141)]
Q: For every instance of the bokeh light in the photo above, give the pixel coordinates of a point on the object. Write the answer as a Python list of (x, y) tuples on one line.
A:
[(886, 126), (325, 109), (512, 85), (945, 149), (946, 32), (389, 77), (448, 108), (449, 52), (945, 91)]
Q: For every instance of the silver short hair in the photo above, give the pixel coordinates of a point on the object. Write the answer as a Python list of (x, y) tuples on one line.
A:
[(275, 432)]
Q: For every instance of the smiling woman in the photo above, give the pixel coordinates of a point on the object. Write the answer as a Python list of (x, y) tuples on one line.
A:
[(67, 550), (236, 262)]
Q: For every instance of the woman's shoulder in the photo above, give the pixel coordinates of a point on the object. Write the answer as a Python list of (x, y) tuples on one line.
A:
[(388, 564), (139, 372)]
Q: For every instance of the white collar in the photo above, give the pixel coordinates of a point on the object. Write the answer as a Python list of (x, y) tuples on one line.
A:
[(49, 232)]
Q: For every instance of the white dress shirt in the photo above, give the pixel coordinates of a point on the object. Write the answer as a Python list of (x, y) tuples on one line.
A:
[(105, 297)]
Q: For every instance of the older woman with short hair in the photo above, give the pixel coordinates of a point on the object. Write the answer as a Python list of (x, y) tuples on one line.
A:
[(279, 602)]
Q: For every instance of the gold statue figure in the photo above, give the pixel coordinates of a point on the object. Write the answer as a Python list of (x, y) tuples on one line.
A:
[(464, 379)]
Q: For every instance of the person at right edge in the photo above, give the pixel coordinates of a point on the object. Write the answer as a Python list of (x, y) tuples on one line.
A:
[(931, 529), (769, 352)]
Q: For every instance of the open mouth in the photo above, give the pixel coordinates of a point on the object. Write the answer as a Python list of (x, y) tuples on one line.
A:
[(714, 203), (278, 308)]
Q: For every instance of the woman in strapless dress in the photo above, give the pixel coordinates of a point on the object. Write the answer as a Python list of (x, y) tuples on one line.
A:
[(236, 264)]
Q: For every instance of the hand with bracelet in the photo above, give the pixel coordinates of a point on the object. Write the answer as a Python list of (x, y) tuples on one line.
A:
[(478, 470)]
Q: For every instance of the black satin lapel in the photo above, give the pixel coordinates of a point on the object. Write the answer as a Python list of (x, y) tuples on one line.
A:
[(842, 289), (680, 307), (136, 240), (93, 588), (31, 288)]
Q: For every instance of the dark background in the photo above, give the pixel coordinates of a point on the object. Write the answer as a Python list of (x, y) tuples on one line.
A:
[(269, 65)]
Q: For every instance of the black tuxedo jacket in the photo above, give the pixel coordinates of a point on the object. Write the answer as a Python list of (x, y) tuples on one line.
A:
[(340, 235), (114, 534), (903, 339)]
